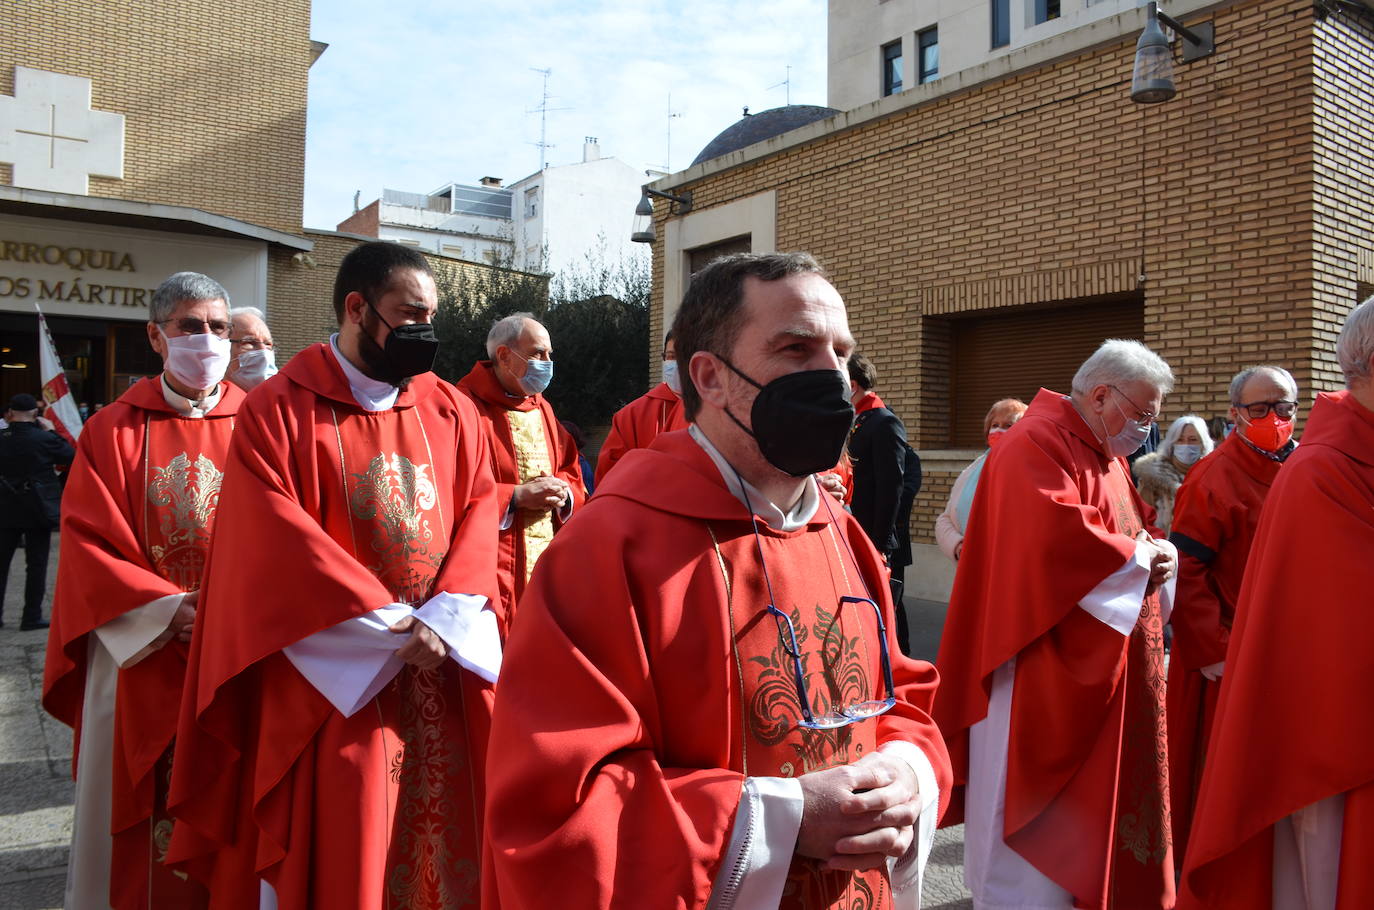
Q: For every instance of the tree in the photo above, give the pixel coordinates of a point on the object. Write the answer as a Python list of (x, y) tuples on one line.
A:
[(597, 316)]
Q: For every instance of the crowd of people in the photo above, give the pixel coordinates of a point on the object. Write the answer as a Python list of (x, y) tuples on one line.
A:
[(347, 635)]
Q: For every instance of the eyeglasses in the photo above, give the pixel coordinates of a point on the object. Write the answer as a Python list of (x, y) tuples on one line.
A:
[(251, 343), (1144, 416), (189, 326), (1256, 410), (848, 714)]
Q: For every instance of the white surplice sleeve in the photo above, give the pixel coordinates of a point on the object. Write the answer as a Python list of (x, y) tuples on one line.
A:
[(129, 637), (908, 872), (468, 629), (1117, 598), (350, 662), (764, 839)]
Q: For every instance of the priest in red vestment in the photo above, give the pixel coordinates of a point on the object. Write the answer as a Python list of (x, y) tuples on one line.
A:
[(139, 509), (1215, 515), (533, 459), (640, 422), (1285, 816), (1052, 661), (331, 742), (703, 700)]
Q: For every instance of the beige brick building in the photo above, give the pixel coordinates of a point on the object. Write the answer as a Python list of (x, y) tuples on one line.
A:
[(138, 139), (989, 229)]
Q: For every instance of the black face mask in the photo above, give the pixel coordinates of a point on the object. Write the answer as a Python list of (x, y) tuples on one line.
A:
[(801, 420), (409, 351)]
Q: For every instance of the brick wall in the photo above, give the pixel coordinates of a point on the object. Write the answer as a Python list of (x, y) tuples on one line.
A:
[(1343, 180), (213, 95), (365, 221), (1052, 185)]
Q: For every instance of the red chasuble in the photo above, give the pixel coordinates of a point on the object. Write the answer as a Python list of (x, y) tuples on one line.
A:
[(645, 681), (1215, 516), (523, 541), (329, 512), (638, 423), (136, 523), (1293, 726), (1086, 797)]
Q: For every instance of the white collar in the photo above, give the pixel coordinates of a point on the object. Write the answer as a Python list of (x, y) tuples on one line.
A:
[(371, 394), (749, 495), (188, 407)]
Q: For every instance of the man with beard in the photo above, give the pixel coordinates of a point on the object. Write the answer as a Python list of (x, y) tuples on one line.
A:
[(333, 734)]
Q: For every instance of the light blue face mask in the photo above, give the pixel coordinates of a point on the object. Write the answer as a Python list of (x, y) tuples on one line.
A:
[(1186, 454), (538, 375), (1132, 435), (672, 377)]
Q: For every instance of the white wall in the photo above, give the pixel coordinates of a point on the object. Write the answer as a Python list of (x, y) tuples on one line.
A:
[(463, 246), (585, 209), (859, 28)]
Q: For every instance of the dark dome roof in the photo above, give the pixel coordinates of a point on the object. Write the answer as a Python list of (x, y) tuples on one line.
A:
[(763, 125)]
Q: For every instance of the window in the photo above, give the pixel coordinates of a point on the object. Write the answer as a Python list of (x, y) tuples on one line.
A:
[(1001, 23), (532, 202), (701, 256), (1045, 10), (928, 54), (450, 249), (892, 68)]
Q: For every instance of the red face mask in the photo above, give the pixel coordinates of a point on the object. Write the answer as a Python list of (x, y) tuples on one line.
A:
[(1269, 432), (995, 434)]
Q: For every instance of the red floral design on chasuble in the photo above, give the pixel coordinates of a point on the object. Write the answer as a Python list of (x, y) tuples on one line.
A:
[(397, 515), (181, 483), (809, 572), (1142, 836)]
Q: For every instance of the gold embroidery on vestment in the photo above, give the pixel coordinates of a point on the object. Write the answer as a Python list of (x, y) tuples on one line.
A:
[(531, 461)]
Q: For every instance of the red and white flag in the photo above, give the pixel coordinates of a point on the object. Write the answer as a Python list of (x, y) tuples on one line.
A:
[(62, 411)]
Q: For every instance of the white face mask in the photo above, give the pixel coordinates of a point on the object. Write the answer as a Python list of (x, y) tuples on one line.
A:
[(1130, 437), (197, 361), (254, 367), (672, 376), (1186, 454)]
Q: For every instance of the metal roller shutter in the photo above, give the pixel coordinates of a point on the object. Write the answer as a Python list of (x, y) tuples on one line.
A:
[(1013, 354)]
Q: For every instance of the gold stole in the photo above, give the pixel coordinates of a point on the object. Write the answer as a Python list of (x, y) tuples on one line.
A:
[(531, 460)]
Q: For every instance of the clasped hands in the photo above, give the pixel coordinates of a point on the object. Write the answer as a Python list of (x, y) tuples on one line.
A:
[(1163, 562), (542, 494), (425, 650), (856, 816)]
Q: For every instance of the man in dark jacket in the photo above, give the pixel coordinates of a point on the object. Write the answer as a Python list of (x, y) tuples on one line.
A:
[(29, 496), (879, 451)]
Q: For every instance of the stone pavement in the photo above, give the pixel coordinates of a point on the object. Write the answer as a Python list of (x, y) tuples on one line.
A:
[(35, 764), (36, 786)]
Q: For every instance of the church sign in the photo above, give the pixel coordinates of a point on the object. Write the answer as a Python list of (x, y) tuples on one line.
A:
[(78, 269)]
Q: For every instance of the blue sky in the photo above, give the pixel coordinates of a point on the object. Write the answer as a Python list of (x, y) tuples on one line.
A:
[(414, 94)]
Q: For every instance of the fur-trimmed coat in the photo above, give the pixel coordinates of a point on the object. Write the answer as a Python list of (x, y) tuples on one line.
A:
[(1158, 481)]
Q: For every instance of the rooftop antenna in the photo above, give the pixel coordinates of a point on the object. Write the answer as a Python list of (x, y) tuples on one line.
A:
[(543, 111), (785, 84), (672, 115)]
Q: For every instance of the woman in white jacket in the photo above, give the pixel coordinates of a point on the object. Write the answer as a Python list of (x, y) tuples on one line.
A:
[(950, 526)]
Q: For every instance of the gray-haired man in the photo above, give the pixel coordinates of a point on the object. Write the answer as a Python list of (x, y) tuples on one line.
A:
[(253, 358), (136, 523)]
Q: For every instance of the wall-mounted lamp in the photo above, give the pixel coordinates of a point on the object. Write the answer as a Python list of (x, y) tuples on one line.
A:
[(1153, 79), (644, 212)]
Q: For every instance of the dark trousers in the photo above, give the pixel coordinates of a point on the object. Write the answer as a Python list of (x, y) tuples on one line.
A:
[(36, 543), (898, 584)]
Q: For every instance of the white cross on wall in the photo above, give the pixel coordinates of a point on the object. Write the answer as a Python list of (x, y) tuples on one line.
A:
[(53, 138)]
